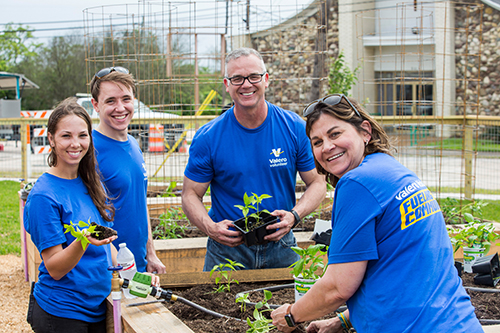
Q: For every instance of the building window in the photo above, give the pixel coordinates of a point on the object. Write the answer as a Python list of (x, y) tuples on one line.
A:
[(405, 93)]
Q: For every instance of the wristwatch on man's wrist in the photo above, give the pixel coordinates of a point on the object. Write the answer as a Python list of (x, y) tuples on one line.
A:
[(297, 218), (289, 318)]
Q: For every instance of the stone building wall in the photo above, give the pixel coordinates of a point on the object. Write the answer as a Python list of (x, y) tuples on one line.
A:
[(477, 58), (289, 52)]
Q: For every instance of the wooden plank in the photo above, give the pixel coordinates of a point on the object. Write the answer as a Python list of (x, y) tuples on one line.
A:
[(149, 318), (491, 328), (252, 275), (187, 255)]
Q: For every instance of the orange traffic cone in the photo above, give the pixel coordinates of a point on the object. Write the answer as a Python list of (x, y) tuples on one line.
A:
[(184, 147)]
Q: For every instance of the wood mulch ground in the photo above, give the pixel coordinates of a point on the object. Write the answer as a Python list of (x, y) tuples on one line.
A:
[(14, 291)]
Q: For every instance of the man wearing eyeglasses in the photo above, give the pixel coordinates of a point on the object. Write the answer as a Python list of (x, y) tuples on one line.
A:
[(254, 147), (121, 164)]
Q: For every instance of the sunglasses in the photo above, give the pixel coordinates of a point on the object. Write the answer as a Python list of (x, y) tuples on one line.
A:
[(105, 71), (330, 100)]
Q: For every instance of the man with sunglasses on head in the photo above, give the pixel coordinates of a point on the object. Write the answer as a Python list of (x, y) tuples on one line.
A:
[(121, 164), (254, 147)]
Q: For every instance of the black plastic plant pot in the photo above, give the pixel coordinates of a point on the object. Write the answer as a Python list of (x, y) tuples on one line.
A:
[(488, 269), (459, 267), (256, 228)]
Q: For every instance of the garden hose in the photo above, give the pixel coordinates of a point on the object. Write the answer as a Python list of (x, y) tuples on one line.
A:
[(201, 308), (167, 295)]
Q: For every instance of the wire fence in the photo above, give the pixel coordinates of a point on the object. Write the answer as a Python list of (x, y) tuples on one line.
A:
[(458, 154)]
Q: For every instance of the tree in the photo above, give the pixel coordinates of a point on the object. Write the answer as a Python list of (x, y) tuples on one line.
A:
[(341, 79), (59, 70), (16, 45)]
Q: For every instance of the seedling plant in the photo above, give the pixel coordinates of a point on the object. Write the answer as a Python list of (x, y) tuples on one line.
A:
[(310, 261), (168, 227), (475, 234), (224, 271), (249, 202), (261, 323), (81, 234), (169, 192), (454, 213), (243, 300)]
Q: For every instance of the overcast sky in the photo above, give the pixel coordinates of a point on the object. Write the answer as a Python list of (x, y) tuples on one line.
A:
[(62, 17)]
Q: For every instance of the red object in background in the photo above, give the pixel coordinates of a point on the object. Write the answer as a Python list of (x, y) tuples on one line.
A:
[(1, 147)]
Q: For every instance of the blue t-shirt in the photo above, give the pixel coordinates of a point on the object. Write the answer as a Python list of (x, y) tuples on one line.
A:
[(80, 294), (264, 160), (124, 173), (384, 214)]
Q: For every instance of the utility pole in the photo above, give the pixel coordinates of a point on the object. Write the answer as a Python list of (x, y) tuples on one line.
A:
[(248, 15)]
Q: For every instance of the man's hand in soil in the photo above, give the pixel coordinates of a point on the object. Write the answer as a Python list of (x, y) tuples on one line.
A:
[(279, 320), (325, 326), (221, 233)]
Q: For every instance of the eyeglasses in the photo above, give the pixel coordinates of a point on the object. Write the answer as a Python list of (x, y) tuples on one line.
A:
[(105, 71), (252, 78), (330, 100)]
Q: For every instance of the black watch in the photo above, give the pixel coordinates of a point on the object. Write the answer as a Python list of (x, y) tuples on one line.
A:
[(297, 218), (289, 318)]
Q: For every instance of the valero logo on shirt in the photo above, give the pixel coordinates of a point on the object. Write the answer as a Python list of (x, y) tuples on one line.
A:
[(277, 161), (417, 207)]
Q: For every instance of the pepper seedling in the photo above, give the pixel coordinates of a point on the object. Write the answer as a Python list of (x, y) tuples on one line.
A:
[(310, 261), (223, 281), (261, 323), (249, 202), (81, 234)]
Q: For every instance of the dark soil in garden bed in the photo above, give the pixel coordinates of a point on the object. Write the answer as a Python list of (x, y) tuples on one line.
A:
[(487, 305)]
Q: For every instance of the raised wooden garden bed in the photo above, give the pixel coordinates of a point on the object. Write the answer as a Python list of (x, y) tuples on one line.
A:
[(184, 260)]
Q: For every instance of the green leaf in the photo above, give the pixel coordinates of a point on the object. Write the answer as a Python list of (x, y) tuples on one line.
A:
[(267, 295), (83, 224)]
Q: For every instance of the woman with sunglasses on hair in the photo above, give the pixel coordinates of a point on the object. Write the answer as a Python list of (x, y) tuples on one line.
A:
[(390, 258), (73, 280)]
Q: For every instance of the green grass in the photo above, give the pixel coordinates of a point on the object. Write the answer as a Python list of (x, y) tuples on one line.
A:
[(10, 241), (444, 189), (492, 210), (457, 144)]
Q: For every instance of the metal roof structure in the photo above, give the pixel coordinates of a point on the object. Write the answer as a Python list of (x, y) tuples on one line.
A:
[(17, 82)]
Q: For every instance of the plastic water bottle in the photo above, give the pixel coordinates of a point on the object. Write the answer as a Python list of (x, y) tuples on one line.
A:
[(126, 259)]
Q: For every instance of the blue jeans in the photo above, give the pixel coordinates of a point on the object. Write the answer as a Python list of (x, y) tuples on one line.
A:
[(270, 255)]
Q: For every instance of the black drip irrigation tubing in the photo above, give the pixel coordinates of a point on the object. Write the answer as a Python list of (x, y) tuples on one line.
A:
[(275, 288), (201, 308), (489, 322), (291, 285)]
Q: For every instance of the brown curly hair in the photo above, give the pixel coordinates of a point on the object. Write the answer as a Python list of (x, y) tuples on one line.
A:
[(379, 142)]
